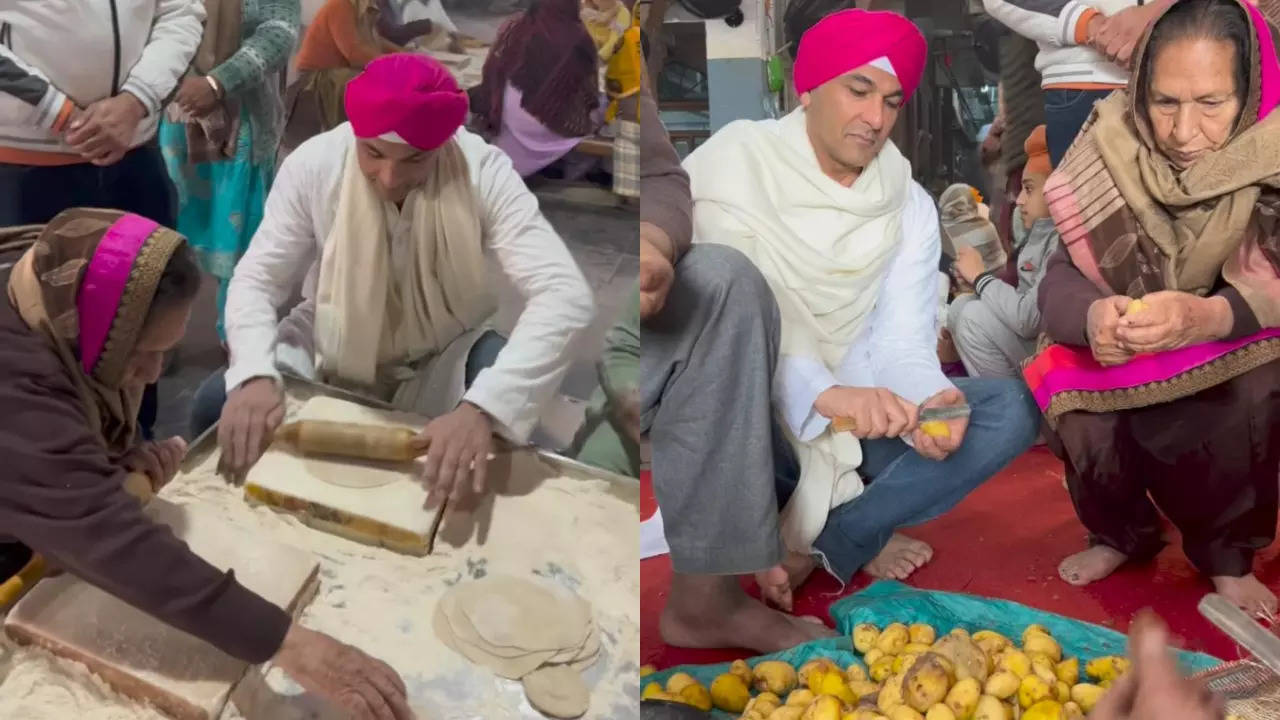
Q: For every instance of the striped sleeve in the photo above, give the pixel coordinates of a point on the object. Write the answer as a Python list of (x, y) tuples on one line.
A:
[(27, 99)]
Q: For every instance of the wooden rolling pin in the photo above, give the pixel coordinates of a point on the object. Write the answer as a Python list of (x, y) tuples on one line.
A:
[(353, 440)]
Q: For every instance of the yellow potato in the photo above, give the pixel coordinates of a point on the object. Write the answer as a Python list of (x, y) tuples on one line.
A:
[(652, 690), (801, 697), (991, 643), (925, 683), (1044, 710), (922, 633), (962, 699), (903, 662), (961, 632), (1072, 711), (1068, 671), (646, 671), (774, 676), (903, 712), (935, 428), (864, 637), (1042, 666), (1134, 307), (940, 712), (1032, 690), (855, 673), (679, 681), (882, 668), (917, 648), (1044, 645), (990, 708), (893, 639), (729, 693), (966, 658), (1016, 662), (824, 707), (1061, 691), (1003, 684), (1086, 696), (832, 683), (742, 670), (1034, 629), (891, 694), (787, 712), (863, 688), (697, 696), (871, 656), (1106, 668), (807, 670)]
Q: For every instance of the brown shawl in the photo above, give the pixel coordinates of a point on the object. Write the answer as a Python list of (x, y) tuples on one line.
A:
[(214, 136), (44, 288), (1134, 224)]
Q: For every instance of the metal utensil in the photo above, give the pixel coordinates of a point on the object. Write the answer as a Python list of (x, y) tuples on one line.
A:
[(949, 412), (1251, 686), (1245, 630)]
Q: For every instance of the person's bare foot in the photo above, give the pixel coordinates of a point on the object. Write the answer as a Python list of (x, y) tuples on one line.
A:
[(1247, 593), (899, 558), (778, 583), (713, 611), (1091, 565)]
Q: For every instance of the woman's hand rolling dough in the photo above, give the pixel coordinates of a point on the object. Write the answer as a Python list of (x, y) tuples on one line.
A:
[(457, 447), (157, 460), (365, 687), (251, 414)]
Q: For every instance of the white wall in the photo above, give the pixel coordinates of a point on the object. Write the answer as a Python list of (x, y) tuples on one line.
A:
[(752, 39)]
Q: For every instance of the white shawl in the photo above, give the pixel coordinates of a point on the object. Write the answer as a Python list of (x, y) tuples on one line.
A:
[(373, 314), (823, 248)]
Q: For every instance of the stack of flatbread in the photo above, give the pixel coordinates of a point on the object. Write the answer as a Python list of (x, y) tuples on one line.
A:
[(535, 632)]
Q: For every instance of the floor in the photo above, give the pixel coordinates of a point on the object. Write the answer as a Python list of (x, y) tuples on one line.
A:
[(993, 545), (604, 242)]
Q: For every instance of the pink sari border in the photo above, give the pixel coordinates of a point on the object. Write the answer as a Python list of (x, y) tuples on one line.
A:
[(104, 282), (1069, 369)]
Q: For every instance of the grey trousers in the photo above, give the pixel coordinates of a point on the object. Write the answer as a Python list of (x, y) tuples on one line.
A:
[(987, 347), (707, 362)]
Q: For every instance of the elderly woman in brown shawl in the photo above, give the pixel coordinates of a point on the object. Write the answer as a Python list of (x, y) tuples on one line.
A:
[(1164, 390), (94, 301)]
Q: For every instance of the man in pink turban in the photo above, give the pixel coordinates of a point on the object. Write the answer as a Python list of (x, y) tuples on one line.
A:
[(798, 345), (398, 215)]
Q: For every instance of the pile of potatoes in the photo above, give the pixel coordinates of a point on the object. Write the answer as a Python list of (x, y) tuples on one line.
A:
[(912, 674)]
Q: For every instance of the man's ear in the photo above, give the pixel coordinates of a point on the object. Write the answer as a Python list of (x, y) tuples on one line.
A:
[(806, 98)]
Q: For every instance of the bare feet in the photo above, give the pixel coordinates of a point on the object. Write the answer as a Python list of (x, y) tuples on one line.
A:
[(778, 582), (1247, 593), (901, 557), (712, 611), (1091, 565)]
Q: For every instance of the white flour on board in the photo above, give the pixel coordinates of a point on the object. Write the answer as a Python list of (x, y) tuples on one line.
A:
[(572, 531)]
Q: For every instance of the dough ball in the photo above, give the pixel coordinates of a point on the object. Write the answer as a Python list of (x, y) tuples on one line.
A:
[(557, 690)]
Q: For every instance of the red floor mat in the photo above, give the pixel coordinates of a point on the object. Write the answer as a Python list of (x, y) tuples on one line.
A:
[(1005, 540)]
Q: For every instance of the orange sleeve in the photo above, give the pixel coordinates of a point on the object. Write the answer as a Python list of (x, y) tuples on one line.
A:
[(342, 26), (1082, 26)]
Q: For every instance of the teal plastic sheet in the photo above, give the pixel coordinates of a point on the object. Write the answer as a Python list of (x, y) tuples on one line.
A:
[(888, 601)]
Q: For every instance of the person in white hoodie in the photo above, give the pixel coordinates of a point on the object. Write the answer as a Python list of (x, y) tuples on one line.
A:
[(82, 87), (1085, 48)]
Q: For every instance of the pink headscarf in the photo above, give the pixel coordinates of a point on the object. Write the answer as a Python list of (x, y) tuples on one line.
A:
[(849, 39), (407, 98), (1270, 67)]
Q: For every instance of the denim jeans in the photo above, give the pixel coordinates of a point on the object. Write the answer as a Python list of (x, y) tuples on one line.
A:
[(1065, 111), (206, 407), (904, 488)]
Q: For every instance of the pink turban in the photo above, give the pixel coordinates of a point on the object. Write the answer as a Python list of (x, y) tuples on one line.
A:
[(406, 98), (849, 39)]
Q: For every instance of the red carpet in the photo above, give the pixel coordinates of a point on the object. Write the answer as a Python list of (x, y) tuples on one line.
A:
[(1005, 541)]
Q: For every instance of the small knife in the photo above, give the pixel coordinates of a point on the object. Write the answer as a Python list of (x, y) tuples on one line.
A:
[(949, 412)]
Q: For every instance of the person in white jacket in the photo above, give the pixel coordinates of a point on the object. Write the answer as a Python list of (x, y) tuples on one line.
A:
[(82, 87), (1085, 49), (394, 218)]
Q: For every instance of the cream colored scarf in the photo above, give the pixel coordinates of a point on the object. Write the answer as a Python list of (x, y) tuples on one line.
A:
[(407, 310), (824, 250)]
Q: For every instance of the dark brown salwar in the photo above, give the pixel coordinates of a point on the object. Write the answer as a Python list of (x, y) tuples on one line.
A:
[(1210, 462)]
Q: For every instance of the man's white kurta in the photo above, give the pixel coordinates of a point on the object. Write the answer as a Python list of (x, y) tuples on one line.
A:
[(290, 241)]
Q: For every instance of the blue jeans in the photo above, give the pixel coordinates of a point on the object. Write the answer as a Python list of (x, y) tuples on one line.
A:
[(206, 407), (1065, 111), (905, 488)]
